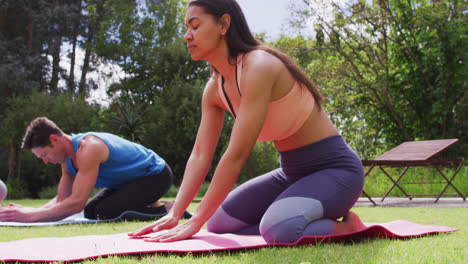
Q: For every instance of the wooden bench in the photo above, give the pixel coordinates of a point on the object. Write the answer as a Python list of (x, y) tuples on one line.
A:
[(417, 154)]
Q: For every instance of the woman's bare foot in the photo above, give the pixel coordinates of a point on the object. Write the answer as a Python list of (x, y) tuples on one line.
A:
[(350, 223)]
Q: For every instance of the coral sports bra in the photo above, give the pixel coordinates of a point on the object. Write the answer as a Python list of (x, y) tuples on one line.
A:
[(285, 115)]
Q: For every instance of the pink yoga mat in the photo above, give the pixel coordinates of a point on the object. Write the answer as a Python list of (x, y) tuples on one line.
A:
[(87, 247)]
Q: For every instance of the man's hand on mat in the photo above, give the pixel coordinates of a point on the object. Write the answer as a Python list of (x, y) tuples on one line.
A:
[(16, 213), (9, 205)]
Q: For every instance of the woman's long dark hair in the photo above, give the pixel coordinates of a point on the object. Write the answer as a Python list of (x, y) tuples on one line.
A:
[(241, 40)]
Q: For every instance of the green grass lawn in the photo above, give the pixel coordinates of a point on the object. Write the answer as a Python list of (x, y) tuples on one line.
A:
[(444, 248), (377, 184)]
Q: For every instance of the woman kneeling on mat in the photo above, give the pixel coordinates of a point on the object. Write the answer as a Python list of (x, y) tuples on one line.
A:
[(271, 99)]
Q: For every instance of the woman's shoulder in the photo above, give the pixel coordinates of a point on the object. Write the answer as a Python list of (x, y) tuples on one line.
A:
[(210, 93), (262, 59), (212, 83)]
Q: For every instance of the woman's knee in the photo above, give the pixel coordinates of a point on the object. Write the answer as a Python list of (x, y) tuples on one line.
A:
[(286, 219), (287, 231), (222, 222)]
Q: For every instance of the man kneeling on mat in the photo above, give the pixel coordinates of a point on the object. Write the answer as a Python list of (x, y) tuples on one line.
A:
[(134, 177)]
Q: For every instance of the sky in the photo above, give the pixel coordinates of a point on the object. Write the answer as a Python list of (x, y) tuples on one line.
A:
[(267, 16), (272, 16)]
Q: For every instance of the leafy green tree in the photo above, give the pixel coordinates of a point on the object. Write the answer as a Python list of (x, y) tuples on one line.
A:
[(299, 48), (23, 36), (395, 69), (129, 120), (158, 102), (31, 32), (145, 41), (21, 110), (172, 124)]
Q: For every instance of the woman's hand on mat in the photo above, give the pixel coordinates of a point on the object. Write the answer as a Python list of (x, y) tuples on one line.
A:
[(166, 222), (180, 232)]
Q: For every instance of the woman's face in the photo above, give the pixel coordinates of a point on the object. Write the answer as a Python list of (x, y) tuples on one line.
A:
[(204, 35)]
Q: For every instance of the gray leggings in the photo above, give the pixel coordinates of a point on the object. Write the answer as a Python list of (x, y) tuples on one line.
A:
[(315, 184)]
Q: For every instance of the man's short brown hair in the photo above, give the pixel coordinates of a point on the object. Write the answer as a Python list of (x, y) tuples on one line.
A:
[(38, 132)]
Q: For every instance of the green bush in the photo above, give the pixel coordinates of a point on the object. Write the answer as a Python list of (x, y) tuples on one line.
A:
[(48, 192), (262, 159), (172, 193), (16, 189)]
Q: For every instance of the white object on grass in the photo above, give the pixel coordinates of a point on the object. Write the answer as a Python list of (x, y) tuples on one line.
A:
[(3, 191)]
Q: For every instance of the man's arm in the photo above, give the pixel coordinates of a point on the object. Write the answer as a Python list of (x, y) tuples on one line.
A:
[(64, 189), (91, 153)]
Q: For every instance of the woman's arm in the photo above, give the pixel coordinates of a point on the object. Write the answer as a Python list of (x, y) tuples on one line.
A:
[(199, 162), (258, 84)]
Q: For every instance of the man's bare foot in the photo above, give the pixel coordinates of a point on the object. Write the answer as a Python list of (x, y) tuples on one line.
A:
[(350, 223), (155, 204), (168, 205)]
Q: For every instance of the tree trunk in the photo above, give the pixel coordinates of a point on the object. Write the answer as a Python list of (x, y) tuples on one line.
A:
[(3, 19), (30, 28), (56, 61), (71, 77), (76, 25), (84, 70), (93, 27), (13, 161), (398, 121)]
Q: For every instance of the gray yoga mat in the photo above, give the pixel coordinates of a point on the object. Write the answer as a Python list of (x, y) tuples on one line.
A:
[(80, 219)]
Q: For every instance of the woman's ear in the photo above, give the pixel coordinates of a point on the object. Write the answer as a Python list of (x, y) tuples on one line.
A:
[(225, 23)]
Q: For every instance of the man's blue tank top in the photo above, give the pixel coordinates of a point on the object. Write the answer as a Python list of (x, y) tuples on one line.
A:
[(127, 160)]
